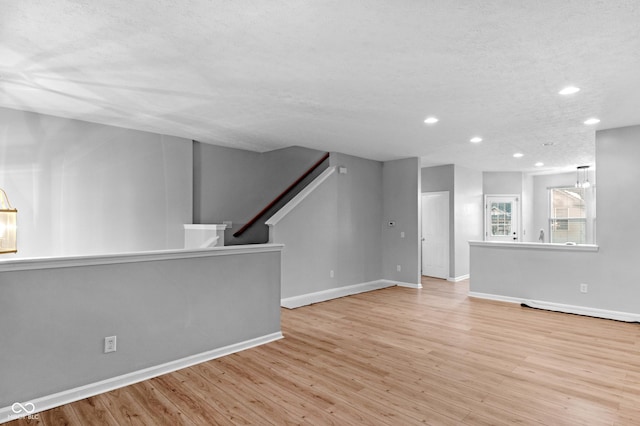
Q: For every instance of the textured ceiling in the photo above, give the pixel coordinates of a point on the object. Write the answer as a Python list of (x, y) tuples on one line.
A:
[(355, 76)]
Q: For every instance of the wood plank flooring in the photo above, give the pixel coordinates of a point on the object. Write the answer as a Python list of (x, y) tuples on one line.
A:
[(398, 356)]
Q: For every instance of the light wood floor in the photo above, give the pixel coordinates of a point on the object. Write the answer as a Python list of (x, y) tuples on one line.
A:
[(399, 356)]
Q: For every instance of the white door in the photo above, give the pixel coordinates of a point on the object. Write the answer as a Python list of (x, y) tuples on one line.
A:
[(502, 218), (435, 234)]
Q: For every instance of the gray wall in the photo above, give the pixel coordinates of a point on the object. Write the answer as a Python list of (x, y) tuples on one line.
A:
[(465, 188), (468, 202), (234, 184), (438, 178), (85, 188), (502, 183), (401, 195), (553, 277), (53, 321), (336, 228), (618, 232)]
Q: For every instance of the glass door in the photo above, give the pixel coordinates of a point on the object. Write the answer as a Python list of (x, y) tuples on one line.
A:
[(502, 216)]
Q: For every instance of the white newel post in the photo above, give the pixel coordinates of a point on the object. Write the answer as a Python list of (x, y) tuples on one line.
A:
[(203, 236)]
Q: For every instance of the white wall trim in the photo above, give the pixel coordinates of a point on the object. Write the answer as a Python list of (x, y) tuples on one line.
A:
[(143, 256), (559, 307), (280, 214), (402, 284), (458, 279), (495, 297), (65, 397), (333, 293), (537, 246), (205, 226)]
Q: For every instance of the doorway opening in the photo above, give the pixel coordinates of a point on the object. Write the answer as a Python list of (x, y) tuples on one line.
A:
[(435, 234)]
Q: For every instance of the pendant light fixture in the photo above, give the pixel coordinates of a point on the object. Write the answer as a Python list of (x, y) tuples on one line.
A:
[(582, 177), (8, 220)]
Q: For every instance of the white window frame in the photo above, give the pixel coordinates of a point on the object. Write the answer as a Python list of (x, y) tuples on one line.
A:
[(551, 216)]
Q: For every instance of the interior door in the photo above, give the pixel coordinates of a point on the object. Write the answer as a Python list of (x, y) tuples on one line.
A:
[(502, 218), (435, 234)]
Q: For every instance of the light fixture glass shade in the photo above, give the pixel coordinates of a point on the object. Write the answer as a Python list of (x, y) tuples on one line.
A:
[(8, 222), (582, 179)]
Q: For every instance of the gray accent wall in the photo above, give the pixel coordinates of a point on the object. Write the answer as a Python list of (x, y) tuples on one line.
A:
[(85, 188), (234, 184), (401, 194), (336, 228)]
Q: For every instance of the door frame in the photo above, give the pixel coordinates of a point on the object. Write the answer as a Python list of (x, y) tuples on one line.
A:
[(518, 199), (448, 239)]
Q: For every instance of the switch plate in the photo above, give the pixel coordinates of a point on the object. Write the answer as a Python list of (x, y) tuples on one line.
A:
[(109, 344), (402, 234)]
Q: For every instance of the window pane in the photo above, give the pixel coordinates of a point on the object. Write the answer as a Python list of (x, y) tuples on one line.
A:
[(565, 230), (568, 215), (500, 219)]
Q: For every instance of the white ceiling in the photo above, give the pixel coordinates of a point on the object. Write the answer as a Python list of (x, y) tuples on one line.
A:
[(354, 76)]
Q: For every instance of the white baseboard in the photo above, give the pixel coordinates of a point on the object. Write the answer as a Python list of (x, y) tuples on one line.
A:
[(458, 279), (496, 297), (65, 397), (401, 284), (559, 307), (334, 293)]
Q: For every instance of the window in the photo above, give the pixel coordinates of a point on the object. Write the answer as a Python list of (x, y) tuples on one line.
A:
[(568, 215), (500, 219)]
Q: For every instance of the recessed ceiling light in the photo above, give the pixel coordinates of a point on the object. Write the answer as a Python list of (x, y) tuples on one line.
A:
[(475, 139), (539, 164), (431, 120), (592, 121), (570, 90), (548, 144), (518, 155)]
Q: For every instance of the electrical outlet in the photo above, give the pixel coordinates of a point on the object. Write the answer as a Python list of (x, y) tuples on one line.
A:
[(402, 234), (584, 288), (109, 344), (331, 274), (398, 268)]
